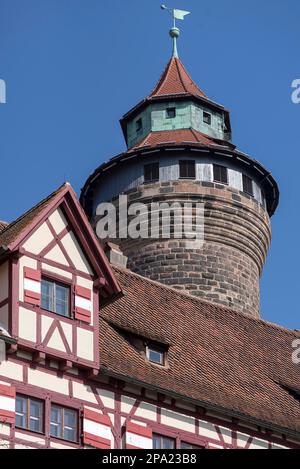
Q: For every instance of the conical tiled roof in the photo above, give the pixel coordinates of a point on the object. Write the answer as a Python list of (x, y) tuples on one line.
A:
[(175, 80)]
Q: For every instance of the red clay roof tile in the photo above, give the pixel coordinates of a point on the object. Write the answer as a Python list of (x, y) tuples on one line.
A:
[(179, 136), (176, 80), (216, 356)]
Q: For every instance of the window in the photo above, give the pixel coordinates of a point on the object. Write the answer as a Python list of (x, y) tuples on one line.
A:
[(189, 446), (29, 413), (139, 125), (247, 185), (163, 442), (220, 174), (207, 118), (151, 172), (64, 423), (171, 113), (187, 169), (155, 354), (55, 297)]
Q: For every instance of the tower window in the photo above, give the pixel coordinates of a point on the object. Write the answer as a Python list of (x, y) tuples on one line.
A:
[(55, 297), (155, 354), (171, 113), (139, 125), (207, 118), (220, 174), (187, 169), (247, 185), (151, 172)]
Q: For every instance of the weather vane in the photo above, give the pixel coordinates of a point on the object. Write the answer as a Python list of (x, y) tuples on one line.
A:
[(175, 32)]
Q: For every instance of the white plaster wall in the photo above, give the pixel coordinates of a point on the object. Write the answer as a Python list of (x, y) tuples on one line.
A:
[(27, 324), (39, 240), (4, 429), (57, 255), (148, 411), (51, 382), (56, 341), (107, 397), (75, 252), (81, 391), (58, 221), (85, 344), (57, 271), (45, 325), (180, 421), (11, 370), (31, 438)]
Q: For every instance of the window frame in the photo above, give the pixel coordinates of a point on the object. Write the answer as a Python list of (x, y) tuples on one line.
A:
[(207, 116), (215, 166), (192, 445), (185, 163), (62, 409), (156, 163), (157, 349), (245, 190), (28, 414), (63, 284), (171, 109)]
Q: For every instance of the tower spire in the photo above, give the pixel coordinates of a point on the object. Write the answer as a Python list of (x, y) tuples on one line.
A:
[(175, 32)]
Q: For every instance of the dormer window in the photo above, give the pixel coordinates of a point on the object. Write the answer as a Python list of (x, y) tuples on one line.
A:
[(139, 125), (171, 113), (247, 185), (155, 354), (56, 297), (207, 118)]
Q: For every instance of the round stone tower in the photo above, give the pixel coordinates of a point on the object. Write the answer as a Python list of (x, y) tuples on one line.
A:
[(180, 150)]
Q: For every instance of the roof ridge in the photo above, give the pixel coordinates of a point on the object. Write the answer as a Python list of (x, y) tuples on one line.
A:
[(177, 61), (194, 299)]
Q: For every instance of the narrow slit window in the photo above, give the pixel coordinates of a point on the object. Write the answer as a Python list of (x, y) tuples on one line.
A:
[(220, 174), (171, 113), (207, 118), (151, 172), (139, 125), (187, 169), (247, 185)]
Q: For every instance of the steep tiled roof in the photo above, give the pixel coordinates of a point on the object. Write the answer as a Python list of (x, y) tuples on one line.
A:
[(216, 356), (179, 136), (3, 225), (14, 229), (176, 80)]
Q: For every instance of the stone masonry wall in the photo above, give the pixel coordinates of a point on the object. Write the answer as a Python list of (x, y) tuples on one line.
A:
[(227, 269)]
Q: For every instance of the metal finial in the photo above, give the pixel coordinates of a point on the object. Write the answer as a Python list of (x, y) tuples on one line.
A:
[(175, 32)]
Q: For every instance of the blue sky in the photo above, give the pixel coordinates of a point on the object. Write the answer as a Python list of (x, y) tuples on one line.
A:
[(72, 68)]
